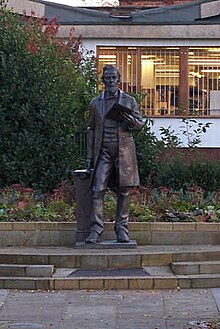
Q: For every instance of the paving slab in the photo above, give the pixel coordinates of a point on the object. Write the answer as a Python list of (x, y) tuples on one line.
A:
[(28, 325), (159, 270), (3, 295), (216, 294), (170, 309)]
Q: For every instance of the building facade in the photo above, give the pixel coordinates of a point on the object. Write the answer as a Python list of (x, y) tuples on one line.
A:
[(169, 55), (151, 3)]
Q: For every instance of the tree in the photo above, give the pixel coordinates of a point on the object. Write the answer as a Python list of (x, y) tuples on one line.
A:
[(45, 88)]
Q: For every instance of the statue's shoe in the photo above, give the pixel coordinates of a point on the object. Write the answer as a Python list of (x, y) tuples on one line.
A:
[(93, 237), (122, 236)]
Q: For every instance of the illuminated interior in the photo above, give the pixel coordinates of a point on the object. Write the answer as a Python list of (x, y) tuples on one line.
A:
[(156, 74)]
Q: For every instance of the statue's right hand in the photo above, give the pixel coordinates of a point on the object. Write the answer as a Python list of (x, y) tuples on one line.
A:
[(89, 164)]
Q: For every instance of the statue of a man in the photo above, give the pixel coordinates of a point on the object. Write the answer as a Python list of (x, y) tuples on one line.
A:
[(112, 154)]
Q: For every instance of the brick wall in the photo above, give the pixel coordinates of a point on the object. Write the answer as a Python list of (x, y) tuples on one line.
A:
[(151, 3), (202, 154)]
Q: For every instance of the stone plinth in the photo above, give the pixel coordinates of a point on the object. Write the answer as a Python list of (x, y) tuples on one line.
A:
[(109, 244)]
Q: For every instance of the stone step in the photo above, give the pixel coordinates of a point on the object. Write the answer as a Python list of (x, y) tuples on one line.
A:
[(15, 270), (202, 267), (111, 283), (107, 258), (68, 262)]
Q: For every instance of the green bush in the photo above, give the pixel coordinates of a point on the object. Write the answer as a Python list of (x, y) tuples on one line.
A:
[(174, 174), (148, 150), (177, 174), (45, 88), (206, 174), (174, 171), (19, 203)]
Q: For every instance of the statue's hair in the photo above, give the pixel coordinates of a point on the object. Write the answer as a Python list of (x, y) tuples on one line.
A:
[(109, 67)]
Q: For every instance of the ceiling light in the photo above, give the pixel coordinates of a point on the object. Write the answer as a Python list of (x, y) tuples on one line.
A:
[(107, 56), (211, 71)]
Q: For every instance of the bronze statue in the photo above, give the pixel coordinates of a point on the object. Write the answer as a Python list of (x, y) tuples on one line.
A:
[(114, 115)]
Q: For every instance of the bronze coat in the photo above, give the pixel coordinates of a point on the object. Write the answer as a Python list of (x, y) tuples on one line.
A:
[(128, 168)]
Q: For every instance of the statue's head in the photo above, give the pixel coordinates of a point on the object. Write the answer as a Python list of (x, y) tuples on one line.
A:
[(111, 78)]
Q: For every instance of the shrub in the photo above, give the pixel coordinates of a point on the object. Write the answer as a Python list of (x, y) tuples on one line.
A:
[(45, 88), (206, 174), (147, 148), (158, 169), (18, 203), (177, 174)]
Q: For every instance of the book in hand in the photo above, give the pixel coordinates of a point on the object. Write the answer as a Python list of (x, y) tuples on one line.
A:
[(116, 110)]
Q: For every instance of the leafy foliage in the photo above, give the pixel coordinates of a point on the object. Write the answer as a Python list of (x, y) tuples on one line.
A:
[(18, 203), (190, 128), (147, 153), (45, 87), (174, 172)]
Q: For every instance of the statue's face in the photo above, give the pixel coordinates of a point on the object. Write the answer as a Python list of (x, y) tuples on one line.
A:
[(111, 81)]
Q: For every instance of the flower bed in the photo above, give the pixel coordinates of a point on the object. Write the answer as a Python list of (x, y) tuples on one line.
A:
[(21, 204), (193, 204)]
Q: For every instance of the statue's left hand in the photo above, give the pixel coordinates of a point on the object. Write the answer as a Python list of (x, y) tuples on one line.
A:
[(128, 118), (89, 164)]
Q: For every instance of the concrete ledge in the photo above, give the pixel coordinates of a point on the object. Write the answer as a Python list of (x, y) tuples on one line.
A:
[(102, 259), (16, 270), (202, 267), (64, 233), (134, 226), (199, 281), (121, 283)]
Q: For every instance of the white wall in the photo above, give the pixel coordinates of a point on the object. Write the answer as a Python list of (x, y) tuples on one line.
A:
[(209, 139), (92, 44)]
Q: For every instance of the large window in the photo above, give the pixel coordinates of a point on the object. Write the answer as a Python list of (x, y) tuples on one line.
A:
[(171, 80)]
